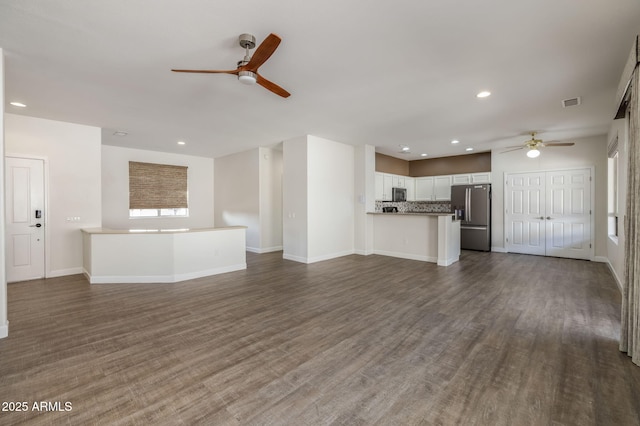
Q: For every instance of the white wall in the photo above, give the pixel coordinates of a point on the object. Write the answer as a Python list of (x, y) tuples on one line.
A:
[(270, 199), (615, 247), (586, 152), (115, 189), (4, 323), (237, 193), (318, 199), (331, 198), (72, 163), (364, 185), (294, 199)]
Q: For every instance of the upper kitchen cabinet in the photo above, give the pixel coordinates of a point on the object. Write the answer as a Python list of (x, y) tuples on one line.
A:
[(484, 177), (433, 188), (398, 181), (469, 178), (424, 188), (384, 183), (463, 179), (410, 184), (442, 188)]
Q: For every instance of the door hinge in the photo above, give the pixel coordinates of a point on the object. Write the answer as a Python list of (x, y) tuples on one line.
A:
[(589, 178), (507, 239), (589, 211), (589, 245)]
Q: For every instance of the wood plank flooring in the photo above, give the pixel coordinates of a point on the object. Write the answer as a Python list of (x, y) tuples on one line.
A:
[(496, 339)]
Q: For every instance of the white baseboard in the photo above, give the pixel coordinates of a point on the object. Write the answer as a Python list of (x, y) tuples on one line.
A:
[(615, 276), (329, 256), (161, 279), (363, 252), (409, 256), (65, 272), (294, 258), (601, 259), (448, 261), (499, 250), (317, 258), (4, 330), (264, 250)]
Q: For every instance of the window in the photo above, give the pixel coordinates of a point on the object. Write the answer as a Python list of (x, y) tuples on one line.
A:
[(157, 190), (612, 189)]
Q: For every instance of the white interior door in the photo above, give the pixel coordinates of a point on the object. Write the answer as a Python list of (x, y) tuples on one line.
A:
[(24, 212), (549, 213), (568, 216), (525, 213)]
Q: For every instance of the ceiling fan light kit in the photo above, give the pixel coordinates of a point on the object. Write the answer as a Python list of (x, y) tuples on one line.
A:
[(247, 77), (533, 153), (247, 69), (534, 146)]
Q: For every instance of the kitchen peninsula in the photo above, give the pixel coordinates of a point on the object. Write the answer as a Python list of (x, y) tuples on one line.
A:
[(161, 255), (429, 237)]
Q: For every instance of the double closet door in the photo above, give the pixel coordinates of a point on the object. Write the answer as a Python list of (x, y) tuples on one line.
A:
[(549, 213)]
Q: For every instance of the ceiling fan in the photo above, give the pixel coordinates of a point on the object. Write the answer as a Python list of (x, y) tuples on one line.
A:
[(533, 145), (247, 70)]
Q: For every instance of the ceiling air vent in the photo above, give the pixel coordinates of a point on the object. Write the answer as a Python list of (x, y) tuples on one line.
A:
[(571, 102)]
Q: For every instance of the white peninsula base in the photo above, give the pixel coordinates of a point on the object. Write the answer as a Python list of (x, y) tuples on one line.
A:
[(161, 256), (430, 237)]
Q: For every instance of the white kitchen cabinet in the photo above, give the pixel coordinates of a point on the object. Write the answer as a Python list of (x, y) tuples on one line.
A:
[(484, 177), (410, 184), (383, 183), (398, 181), (463, 179), (424, 188), (379, 186), (387, 184), (442, 188)]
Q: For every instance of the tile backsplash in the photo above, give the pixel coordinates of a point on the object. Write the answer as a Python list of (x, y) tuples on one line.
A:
[(416, 206)]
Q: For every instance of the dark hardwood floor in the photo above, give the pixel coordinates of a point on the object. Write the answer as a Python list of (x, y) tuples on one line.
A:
[(496, 339)]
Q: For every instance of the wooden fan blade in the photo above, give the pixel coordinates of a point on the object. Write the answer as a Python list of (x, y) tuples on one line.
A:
[(271, 86), (559, 144), (235, 72), (513, 149), (263, 52)]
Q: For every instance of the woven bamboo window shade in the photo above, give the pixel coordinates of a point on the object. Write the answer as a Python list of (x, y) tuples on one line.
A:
[(157, 186)]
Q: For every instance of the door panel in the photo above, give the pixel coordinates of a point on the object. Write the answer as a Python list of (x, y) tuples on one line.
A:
[(25, 239), (569, 218), (549, 213), (525, 203)]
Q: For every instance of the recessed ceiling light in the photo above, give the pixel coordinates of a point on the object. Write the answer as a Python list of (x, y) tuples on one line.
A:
[(455, 141), (469, 149), (405, 148), (423, 155), (181, 142), (483, 94), (120, 134), (18, 104)]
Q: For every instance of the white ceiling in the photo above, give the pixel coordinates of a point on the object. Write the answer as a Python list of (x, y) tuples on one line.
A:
[(360, 72)]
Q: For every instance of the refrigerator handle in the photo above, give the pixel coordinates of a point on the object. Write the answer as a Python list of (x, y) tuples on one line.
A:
[(468, 204)]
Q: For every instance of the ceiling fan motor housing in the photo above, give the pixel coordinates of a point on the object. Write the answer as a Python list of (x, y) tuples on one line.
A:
[(247, 41)]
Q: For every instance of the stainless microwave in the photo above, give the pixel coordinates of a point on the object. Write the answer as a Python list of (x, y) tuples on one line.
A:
[(399, 194)]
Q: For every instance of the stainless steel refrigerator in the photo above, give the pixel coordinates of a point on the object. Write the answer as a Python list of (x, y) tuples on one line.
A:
[(472, 205)]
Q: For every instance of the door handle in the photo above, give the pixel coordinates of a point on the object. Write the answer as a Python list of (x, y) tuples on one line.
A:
[(541, 217), (37, 225), (549, 218)]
